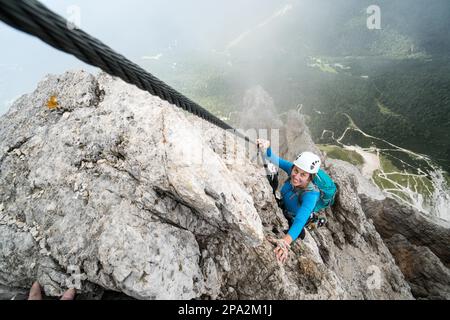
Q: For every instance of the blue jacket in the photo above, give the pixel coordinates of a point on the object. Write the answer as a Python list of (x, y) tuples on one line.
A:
[(299, 203)]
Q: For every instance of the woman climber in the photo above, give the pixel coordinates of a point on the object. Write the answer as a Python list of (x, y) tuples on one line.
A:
[(307, 191)]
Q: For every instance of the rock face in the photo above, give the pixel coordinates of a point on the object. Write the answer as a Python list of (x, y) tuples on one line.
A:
[(418, 243), (420, 246), (117, 190)]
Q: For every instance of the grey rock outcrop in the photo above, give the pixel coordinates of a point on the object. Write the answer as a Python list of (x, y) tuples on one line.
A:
[(420, 245), (428, 277), (118, 190), (258, 111), (362, 185), (261, 119)]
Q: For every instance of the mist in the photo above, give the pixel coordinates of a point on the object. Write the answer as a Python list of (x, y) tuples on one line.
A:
[(134, 28), (141, 30), (322, 54)]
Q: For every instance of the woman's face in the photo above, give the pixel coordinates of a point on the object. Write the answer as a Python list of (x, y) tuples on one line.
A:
[(300, 178)]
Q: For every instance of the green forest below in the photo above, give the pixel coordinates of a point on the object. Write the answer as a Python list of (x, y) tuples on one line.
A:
[(394, 82)]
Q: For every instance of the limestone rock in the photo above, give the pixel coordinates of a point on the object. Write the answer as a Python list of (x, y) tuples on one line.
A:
[(418, 243), (120, 191)]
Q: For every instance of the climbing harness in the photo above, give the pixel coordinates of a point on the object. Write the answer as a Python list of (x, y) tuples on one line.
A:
[(315, 221)]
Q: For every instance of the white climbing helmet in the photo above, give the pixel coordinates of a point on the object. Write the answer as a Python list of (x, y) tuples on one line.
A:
[(308, 161)]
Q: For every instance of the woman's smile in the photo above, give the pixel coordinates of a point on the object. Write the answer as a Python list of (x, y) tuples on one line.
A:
[(299, 178)]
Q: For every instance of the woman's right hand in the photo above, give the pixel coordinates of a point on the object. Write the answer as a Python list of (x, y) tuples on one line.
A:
[(263, 144)]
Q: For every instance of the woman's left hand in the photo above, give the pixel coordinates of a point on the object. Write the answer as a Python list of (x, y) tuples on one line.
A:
[(282, 249)]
